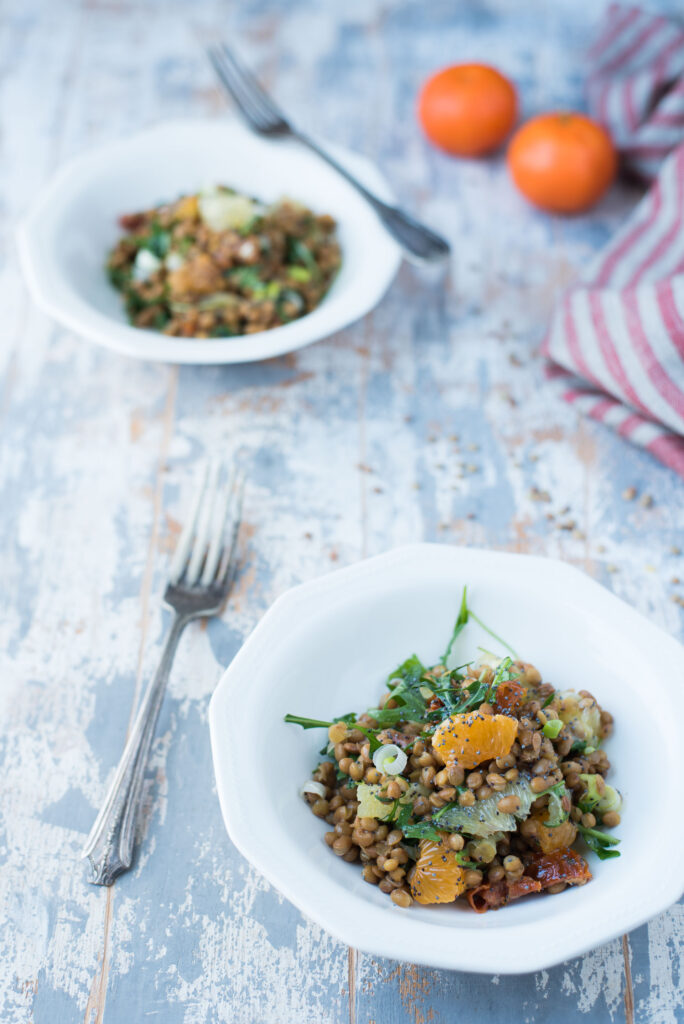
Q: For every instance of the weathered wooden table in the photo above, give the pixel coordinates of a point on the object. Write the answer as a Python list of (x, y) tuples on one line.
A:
[(428, 420)]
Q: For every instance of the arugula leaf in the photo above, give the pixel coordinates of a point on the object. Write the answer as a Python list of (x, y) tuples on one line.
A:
[(477, 691), (421, 830), (246, 278), (403, 816), (599, 841), (349, 719), (461, 623), (158, 241), (480, 691), (410, 672), (119, 276), (371, 736), (491, 632), (307, 723), (299, 252), (406, 693)]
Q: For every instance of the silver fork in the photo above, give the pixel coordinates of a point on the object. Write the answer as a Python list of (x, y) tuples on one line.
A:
[(420, 244), (200, 576)]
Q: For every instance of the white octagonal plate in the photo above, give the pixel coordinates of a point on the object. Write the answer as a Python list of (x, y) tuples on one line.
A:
[(326, 647), (64, 240)]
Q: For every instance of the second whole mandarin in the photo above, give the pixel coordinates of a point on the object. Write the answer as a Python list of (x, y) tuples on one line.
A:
[(561, 161)]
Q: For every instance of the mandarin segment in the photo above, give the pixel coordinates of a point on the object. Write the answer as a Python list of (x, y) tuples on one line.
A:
[(437, 877), (550, 837), (469, 739)]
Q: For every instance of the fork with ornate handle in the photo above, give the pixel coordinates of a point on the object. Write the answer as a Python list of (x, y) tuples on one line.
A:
[(200, 577)]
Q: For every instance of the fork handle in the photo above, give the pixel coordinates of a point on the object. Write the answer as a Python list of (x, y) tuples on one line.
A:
[(109, 846), (420, 243)]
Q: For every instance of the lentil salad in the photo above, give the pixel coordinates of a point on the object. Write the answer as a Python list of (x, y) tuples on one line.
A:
[(220, 264), (471, 782)]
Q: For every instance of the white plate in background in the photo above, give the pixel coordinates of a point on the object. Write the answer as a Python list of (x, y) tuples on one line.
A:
[(65, 238)]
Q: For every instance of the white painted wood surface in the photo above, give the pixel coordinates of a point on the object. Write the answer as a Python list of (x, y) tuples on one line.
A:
[(429, 420)]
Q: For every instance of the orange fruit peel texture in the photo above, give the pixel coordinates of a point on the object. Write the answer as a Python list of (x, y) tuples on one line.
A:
[(562, 162), (471, 738), (468, 109)]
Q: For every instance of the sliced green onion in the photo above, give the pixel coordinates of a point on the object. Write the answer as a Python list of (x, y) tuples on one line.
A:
[(316, 788), (552, 728), (389, 759)]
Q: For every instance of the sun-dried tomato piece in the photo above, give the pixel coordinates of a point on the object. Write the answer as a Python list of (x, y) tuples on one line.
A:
[(490, 896), (493, 895), (132, 221), (509, 697), (561, 866), (522, 887)]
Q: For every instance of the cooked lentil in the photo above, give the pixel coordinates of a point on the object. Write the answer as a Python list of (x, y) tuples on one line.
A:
[(505, 825), (220, 264)]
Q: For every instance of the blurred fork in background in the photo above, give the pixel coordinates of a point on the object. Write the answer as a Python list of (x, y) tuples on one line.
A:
[(420, 243)]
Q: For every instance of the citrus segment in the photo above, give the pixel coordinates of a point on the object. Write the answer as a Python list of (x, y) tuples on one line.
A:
[(471, 738), (437, 877), (550, 837)]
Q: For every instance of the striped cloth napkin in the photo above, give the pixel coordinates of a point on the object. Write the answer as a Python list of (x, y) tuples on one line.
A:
[(617, 337)]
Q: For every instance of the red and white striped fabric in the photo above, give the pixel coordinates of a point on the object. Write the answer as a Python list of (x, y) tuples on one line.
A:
[(617, 337), (636, 85)]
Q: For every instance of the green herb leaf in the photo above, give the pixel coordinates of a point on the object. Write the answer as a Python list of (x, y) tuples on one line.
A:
[(406, 692), (158, 241), (599, 841), (307, 723), (491, 633), (463, 863), (410, 672), (421, 830), (404, 814), (299, 252), (548, 700), (349, 719), (461, 623), (119, 276), (246, 278)]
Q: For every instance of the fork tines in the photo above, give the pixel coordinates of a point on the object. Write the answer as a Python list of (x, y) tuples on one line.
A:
[(254, 103), (205, 547)]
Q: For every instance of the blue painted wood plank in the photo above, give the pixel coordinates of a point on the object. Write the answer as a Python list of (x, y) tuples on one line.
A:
[(430, 419)]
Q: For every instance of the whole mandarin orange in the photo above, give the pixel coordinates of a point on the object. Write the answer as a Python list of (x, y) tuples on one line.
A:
[(468, 109), (562, 162)]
